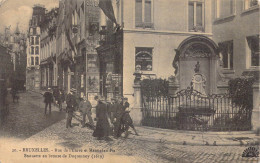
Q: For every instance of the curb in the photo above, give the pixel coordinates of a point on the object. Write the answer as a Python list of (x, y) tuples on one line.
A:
[(189, 143)]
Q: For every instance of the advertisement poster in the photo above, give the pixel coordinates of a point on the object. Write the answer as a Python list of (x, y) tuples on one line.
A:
[(129, 81)]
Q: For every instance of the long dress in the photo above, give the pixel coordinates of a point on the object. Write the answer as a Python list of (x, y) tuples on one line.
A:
[(102, 126)]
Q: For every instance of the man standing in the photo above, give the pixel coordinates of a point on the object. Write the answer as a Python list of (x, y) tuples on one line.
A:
[(48, 99), (59, 98), (118, 117), (126, 118), (71, 106), (85, 107), (112, 108), (14, 94)]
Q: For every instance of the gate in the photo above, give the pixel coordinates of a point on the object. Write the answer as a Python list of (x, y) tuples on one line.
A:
[(190, 110)]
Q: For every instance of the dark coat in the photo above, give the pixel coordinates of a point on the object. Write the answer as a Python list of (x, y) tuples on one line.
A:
[(85, 106), (118, 109), (126, 118), (71, 103), (102, 127), (48, 97)]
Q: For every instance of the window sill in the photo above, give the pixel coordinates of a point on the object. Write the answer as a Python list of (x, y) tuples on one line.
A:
[(228, 71), (146, 72), (144, 25), (224, 19), (245, 11)]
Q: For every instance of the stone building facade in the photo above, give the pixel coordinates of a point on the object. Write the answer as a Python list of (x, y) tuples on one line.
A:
[(33, 49)]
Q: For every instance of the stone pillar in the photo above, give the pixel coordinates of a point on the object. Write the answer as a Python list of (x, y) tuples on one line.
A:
[(136, 112), (256, 110), (174, 85)]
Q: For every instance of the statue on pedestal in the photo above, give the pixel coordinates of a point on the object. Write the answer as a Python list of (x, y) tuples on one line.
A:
[(198, 81)]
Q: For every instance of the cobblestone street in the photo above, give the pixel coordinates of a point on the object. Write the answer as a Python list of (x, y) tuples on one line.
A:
[(27, 122), (138, 148), (26, 117)]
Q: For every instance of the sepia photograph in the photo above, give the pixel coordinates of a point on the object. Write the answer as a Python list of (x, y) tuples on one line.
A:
[(129, 81)]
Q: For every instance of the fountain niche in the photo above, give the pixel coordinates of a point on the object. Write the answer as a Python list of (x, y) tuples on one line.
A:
[(195, 109)]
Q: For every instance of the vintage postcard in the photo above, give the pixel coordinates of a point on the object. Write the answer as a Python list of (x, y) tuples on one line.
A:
[(135, 81)]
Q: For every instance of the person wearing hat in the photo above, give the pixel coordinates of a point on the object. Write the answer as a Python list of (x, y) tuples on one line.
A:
[(48, 99), (71, 106), (112, 108), (118, 117), (103, 124), (126, 118), (85, 107)]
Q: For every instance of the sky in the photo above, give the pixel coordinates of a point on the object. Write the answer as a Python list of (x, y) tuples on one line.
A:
[(20, 11)]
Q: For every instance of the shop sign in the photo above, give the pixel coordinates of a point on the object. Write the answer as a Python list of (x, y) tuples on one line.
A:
[(143, 58)]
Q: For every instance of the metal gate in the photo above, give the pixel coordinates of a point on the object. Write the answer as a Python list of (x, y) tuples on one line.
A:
[(190, 110)]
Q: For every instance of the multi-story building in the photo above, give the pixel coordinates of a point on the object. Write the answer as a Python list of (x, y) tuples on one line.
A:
[(77, 38), (33, 48), (48, 64), (6, 67), (159, 39), (16, 45), (236, 31)]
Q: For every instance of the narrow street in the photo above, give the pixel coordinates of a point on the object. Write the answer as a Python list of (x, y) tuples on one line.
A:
[(26, 117)]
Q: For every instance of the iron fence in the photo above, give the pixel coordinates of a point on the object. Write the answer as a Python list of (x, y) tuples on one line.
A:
[(190, 110)]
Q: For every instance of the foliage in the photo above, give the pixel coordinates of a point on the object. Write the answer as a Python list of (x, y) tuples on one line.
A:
[(240, 89), (224, 122), (155, 87)]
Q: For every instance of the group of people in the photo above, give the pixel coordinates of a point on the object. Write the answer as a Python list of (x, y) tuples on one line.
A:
[(112, 117), (49, 97)]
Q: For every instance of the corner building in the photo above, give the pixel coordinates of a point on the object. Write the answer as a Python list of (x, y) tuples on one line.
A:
[(152, 34), (33, 49)]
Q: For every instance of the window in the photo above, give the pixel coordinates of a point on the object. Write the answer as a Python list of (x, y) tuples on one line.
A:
[(37, 50), (143, 58), (91, 63), (32, 40), (250, 3), (253, 43), (36, 60), (37, 40), (225, 8), (196, 16), (32, 61), (34, 31), (143, 13), (38, 30), (32, 50), (226, 50)]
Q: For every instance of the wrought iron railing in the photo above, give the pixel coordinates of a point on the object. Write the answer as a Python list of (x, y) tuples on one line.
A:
[(190, 110)]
